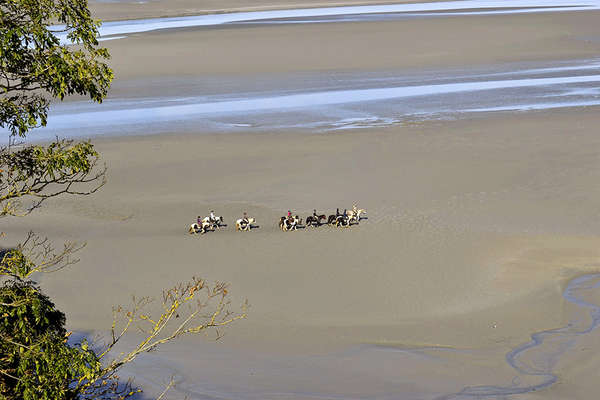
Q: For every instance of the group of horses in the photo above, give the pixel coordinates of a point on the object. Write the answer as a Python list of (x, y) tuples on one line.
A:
[(206, 224), (289, 223), (345, 219)]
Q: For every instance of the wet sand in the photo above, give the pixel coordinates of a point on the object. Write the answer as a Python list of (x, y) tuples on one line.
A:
[(475, 226), (120, 10), (418, 44), (322, 102), (166, 78), (113, 30)]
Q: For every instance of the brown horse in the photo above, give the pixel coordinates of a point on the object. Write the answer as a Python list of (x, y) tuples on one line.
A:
[(311, 220)]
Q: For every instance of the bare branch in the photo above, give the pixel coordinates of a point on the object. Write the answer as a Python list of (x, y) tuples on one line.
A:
[(31, 175), (36, 254), (180, 303), (167, 388)]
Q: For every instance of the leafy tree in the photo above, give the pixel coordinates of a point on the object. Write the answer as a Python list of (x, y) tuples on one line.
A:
[(36, 360), (49, 50), (33, 174), (35, 65)]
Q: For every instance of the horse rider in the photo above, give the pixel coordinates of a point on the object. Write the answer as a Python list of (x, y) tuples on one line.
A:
[(212, 217), (245, 218), (199, 220), (343, 217), (315, 218)]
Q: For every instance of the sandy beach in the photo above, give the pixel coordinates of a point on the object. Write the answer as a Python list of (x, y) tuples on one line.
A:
[(409, 44), (121, 10), (473, 230), (475, 225)]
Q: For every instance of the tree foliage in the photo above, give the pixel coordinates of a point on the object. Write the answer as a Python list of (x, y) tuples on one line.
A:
[(38, 362), (35, 361), (49, 50), (33, 174), (36, 65)]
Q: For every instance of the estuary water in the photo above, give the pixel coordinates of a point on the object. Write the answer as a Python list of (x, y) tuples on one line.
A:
[(117, 29), (330, 101)]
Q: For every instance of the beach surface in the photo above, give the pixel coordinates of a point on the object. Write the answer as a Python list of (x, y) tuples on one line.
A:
[(321, 76), (474, 227), (111, 10), (477, 223)]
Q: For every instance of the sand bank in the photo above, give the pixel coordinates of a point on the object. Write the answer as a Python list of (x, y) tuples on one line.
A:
[(164, 77), (420, 44), (474, 228), (113, 30), (120, 10), (317, 103)]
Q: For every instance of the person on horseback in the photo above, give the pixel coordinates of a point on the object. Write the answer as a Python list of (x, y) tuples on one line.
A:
[(313, 219), (245, 218), (212, 217), (341, 218)]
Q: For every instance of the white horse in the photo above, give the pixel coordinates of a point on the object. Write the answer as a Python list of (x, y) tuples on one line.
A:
[(355, 213), (217, 222), (240, 224), (285, 224), (195, 228)]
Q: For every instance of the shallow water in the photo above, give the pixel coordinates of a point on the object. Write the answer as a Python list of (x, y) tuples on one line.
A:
[(349, 13), (538, 357), (332, 101)]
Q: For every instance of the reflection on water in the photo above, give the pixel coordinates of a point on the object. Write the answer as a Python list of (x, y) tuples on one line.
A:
[(328, 102)]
